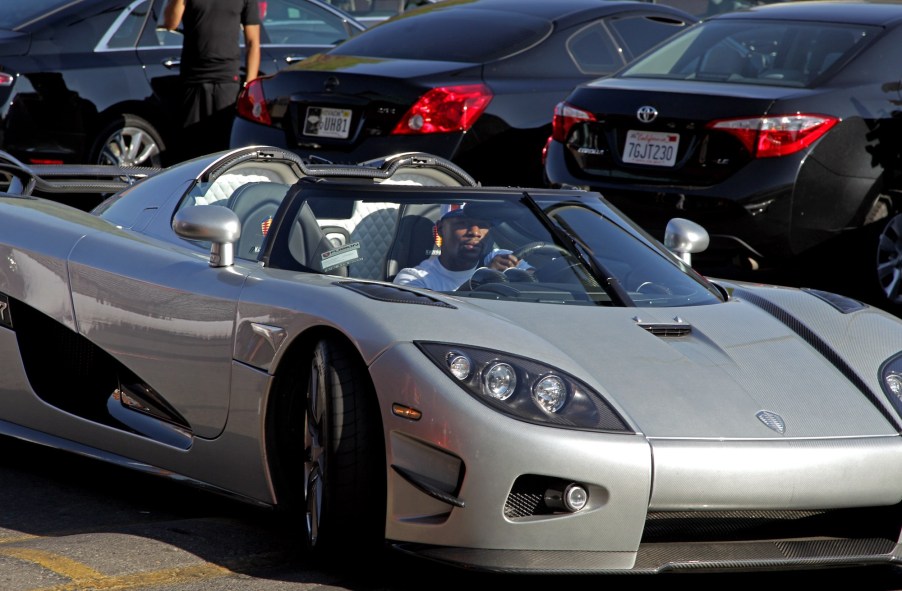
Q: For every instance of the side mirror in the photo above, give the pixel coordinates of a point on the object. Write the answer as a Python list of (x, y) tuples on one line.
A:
[(683, 237), (211, 223)]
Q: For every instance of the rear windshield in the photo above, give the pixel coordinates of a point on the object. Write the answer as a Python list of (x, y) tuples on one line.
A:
[(753, 52), (15, 13), (437, 36)]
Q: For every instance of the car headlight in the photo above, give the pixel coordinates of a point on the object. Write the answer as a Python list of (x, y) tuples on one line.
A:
[(891, 380), (524, 388)]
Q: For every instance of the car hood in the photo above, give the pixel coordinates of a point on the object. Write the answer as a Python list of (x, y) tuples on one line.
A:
[(814, 371)]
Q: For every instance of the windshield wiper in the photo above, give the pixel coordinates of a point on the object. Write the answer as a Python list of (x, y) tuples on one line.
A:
[(607, 280)]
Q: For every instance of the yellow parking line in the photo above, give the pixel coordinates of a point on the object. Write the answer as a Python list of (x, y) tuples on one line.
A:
[(20, 538), (59, 564), (81, 576), (169, 576)]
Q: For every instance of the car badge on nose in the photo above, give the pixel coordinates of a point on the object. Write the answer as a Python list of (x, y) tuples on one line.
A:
[(646, 114), (330, 84), (772, 420)]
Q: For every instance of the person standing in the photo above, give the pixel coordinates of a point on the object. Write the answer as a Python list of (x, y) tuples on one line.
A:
[(210, 71)]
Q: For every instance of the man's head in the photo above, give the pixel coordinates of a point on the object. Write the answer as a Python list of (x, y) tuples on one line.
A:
[(462, 237)]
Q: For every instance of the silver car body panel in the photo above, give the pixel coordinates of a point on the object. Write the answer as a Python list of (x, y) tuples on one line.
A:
[(212, 340)]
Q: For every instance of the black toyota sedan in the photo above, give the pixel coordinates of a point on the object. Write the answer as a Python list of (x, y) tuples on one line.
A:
[(473, 81), (778, 128), (95, 81)]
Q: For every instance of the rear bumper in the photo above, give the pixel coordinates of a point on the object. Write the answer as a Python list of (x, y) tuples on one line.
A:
[(247, 133)]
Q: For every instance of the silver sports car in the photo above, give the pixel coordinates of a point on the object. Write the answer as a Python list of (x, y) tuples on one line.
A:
[(233, 322)]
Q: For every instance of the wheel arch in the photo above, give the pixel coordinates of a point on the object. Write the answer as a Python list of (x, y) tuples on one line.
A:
[(153, 114), (293, 368)]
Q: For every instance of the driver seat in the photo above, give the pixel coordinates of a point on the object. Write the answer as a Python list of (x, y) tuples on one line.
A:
[(413, 241)]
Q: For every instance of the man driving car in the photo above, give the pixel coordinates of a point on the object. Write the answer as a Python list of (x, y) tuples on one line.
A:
[(462, 238)]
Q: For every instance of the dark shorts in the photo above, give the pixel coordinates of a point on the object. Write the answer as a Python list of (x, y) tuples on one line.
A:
[(208, 109)]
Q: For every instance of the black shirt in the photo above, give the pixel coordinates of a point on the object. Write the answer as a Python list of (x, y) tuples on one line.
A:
[(211, 50)]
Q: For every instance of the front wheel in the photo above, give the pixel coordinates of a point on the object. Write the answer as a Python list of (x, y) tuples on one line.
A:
[(339, 467), (129, 140), (889, 260)]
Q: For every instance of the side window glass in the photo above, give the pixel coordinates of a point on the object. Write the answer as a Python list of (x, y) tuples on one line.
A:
[(592, 50), (125, 32), (288, 22), (643, 33), (157, 35)]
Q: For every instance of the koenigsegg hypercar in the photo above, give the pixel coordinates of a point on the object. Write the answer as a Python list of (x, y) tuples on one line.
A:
[(231, 322)]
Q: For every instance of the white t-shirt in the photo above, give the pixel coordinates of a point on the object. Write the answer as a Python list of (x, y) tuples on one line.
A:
[(431, 274)]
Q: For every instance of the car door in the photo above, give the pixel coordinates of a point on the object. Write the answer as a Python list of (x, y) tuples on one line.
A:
[(160, 51), (165, 314)]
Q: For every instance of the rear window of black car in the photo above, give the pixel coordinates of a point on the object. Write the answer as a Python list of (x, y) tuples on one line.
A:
[(754, 52), (15, 13), (472, 36)]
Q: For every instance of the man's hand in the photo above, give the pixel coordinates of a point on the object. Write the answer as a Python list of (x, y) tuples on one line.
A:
[(501, 262)]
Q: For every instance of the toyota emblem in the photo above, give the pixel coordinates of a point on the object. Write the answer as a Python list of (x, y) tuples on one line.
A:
[(646, 114)]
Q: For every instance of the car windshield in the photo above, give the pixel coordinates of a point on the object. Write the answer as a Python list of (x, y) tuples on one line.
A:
[(744, 51), (436, 36), (571, 247)]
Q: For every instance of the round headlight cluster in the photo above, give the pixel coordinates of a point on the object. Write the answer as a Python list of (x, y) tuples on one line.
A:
[(498, 380), (525, 388)]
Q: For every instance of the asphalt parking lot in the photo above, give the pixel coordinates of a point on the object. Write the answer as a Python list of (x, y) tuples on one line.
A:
[(75, 524)]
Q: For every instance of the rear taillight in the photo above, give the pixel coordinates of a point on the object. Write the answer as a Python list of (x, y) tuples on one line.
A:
[(6, 79), (445, 109), (252, 103), (767, 137), (565, 117)]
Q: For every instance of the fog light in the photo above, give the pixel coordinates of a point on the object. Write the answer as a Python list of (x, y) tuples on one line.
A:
[(500, 381), (574, 498)]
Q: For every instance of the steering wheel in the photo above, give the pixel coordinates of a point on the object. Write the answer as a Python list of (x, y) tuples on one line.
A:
[(540, 247), (651, 288)]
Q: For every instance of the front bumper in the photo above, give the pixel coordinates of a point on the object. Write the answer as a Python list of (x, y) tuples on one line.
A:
[(480, 460)]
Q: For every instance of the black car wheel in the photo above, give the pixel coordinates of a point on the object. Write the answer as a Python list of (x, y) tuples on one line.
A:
[(129, 141), (344, 467), (889, 260)]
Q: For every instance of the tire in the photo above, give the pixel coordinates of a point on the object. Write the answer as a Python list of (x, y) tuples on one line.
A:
[(889, 260), (129, 140), (332, 450)]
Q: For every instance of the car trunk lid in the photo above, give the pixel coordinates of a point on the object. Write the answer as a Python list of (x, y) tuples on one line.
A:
[(343, 100), (663, 135)]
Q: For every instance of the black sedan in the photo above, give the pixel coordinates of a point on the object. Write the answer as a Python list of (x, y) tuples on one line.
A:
[(472, 81), (777, 128), (95, 81)]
